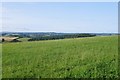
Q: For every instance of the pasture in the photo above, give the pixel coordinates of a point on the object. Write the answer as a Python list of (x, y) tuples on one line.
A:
[(95, 57)]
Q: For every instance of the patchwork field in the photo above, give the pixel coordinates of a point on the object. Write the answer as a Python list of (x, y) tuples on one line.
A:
[(95, 57), (8, 39)]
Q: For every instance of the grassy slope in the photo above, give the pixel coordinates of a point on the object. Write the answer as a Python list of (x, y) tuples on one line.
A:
[(23, 39), (86, 57)]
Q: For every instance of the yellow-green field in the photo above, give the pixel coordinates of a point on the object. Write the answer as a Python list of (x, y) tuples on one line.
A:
[(95, 57)]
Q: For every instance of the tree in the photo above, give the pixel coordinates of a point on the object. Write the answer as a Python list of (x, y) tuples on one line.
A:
[(3, 40)]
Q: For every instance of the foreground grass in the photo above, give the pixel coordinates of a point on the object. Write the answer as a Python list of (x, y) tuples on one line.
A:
[(69, 58)]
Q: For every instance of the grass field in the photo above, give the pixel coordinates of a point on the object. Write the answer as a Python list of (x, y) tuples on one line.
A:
[(23, 39), (94, 57)]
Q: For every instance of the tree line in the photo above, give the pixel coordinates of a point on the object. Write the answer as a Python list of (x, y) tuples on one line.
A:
[(53, 37)]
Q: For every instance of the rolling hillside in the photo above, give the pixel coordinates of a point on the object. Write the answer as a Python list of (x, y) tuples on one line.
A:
[(95, 57)]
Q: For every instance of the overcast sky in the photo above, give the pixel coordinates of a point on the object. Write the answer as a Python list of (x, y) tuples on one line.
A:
[(60, 17)]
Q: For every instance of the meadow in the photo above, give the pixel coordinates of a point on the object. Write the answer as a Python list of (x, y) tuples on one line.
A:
[(94, 57)]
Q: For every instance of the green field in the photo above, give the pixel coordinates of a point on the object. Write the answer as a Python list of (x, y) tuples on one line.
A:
[(95, 57), (23, 39)]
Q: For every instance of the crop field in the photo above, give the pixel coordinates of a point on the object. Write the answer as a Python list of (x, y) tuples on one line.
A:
[(95, 57)]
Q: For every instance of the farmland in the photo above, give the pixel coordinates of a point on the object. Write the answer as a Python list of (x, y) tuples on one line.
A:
[(94, 57)]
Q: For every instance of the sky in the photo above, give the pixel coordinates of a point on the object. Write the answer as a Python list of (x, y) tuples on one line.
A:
[(75, 17)]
